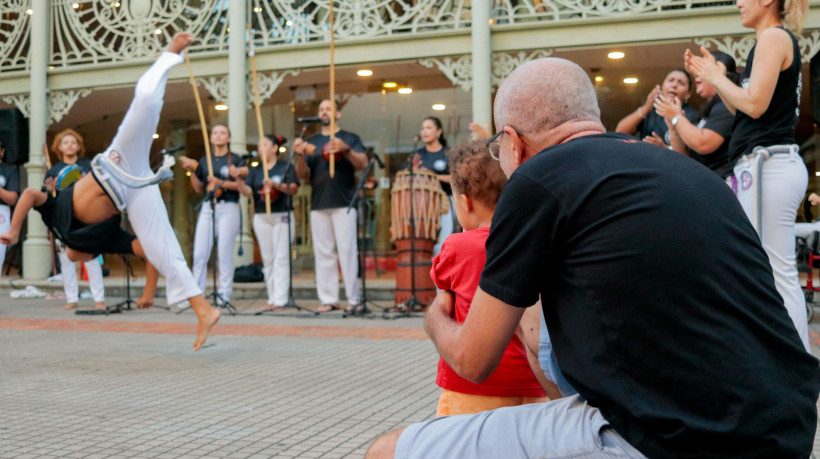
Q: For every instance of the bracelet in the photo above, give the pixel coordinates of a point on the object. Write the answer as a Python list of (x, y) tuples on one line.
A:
[(676, 119)]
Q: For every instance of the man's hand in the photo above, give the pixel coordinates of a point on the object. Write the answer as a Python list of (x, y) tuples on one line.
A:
[(655, 139), (10, 238), (188, 164), (337, 146), (145, 302)]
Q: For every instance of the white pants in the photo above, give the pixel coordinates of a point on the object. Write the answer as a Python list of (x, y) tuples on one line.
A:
[(5, 224), (329, 228), (447, 225), (227, 227), (130, 150), (95, 278), (272, 234), (771, 203)]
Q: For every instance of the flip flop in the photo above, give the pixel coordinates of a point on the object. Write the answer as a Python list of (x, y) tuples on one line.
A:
[(328, 307)]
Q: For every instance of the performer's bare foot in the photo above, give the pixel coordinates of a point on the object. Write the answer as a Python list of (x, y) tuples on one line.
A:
[(70, 306), (180, 41), (207, 315), (100, 306)]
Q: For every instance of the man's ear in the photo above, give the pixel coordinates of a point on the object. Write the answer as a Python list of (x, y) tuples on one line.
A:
[(518, 147)]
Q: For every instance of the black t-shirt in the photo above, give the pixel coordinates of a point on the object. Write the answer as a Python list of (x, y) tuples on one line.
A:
[(655, 123), (220, 165), (776, 125), (720, 121), (104, 237), (281, 172), (84, 165), (658, 297), (9, 179), (436, 162), (326, 192)]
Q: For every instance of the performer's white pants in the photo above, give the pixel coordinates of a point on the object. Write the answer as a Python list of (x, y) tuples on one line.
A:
[(5, 224), (95, 278), (227, 227), (272, 234), (773, 211), (329, 228), (146, 210), (447, 225)]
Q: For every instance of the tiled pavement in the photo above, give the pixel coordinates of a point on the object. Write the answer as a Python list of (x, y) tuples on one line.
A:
[(129, 385)]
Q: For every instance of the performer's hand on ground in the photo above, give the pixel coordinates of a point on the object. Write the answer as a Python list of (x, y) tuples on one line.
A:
[(481, 132), (180, 41), (145, 302), (187, 163), (10, 238), (655, 139)]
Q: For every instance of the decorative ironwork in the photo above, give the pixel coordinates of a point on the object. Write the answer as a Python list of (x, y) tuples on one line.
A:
[(59, 102), (459, 70), (505, 63), (739, 47), (15, 35), (267, 82), (516, 11)]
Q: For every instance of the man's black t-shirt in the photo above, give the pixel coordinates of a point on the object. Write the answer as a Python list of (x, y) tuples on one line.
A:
[(776, 125), (658, 297), (655, 123), (220, 165), (104, 237), (720, 121), (331, 193), (281, 172), (84, 165), (9, 179), (436, 162)]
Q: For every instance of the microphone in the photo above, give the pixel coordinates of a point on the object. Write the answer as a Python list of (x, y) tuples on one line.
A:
[(378, 160), (309, 119), (168, 151)]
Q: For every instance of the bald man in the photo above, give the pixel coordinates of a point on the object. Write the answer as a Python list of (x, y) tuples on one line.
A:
[(658, 297)]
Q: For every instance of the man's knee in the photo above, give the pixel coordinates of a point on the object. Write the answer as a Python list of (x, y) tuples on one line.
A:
[(384, 446)]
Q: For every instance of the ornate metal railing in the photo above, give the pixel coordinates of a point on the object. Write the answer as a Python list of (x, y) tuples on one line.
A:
[(89, 32)]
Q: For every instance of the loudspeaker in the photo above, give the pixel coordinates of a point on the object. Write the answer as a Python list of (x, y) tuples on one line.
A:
[(14, 132), (814, 77)]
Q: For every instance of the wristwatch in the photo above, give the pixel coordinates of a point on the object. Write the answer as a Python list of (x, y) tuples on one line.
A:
[(676, 119)]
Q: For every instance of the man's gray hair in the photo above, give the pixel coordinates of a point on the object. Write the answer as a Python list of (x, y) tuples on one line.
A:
[(543, 94)]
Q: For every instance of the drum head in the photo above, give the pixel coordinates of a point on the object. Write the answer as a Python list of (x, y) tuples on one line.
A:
[(67, 176)]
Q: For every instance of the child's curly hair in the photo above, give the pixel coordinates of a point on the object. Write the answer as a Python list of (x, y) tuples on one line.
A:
[(475, 173)]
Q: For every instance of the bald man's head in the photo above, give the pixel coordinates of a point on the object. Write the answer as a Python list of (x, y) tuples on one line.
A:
[(543, 94)]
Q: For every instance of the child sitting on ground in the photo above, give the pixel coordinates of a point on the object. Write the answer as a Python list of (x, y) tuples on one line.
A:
[(477, 181)]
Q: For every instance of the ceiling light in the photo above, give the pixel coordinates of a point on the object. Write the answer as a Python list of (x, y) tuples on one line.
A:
[(254, 163), (75, 5), (615, 55), (405, 90), (599, 79), (29, 11), (817, 174), (51, 67), (364, 73), (257, 9), (389, 84), (188, 173), (221, 107), (158, 32), (283, 149), (156, 136), (288, 22), (630, 80), (439, 107)]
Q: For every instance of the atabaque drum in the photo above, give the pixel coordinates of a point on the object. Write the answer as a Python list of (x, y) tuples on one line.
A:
[(415, 231)]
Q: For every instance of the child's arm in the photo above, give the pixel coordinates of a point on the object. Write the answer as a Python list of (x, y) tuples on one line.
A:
[(529, 332), (30, 198)]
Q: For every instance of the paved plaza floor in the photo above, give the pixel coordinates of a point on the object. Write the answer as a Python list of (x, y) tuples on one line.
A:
[(277, 385)]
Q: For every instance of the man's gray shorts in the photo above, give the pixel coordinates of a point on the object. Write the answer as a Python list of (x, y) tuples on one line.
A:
[(563, 428)]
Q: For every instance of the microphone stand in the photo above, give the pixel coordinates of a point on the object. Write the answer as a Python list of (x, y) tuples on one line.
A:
[(362, 222)]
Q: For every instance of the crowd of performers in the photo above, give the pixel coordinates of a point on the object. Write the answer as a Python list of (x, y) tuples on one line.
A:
[(704, 353)]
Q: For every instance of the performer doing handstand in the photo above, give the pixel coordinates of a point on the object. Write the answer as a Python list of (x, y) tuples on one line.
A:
[(86, 215)]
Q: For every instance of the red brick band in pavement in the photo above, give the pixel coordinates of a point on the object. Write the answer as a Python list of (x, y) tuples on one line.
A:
[(401, 333), (815, 338)]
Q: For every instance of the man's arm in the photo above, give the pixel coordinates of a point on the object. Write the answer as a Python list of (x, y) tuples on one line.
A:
[(8, 197), (31, 198), (473, 349)]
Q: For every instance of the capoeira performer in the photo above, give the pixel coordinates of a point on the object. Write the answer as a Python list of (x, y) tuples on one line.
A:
[(86, 215)]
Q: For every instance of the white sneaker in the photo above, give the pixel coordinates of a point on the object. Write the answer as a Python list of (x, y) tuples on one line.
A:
[(183, 305)]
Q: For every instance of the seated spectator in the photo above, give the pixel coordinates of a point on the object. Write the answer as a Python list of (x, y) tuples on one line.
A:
[(645, 124), (477, 181), (707, 142)]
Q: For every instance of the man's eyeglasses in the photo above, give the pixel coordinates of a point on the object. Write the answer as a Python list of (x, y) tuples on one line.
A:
[(493, 144)]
